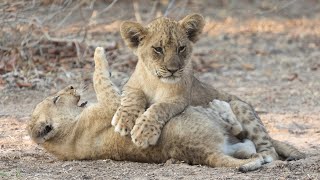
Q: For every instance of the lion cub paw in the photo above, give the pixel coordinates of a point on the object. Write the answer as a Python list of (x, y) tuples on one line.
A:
[(100, 58), (123, 121), (145, 132), (230, 121), (269, 156)]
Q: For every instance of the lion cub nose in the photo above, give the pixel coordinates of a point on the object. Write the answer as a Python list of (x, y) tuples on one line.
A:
[(172, 70)]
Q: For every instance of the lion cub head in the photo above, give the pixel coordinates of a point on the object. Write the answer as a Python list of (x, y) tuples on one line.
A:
[(50, 116), (164, 46)]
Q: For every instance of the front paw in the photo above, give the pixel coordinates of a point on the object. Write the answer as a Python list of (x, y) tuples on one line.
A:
[(123, 121), (145, 132)]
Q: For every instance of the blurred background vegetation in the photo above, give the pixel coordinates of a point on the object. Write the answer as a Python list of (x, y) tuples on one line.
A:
[(44, 43)]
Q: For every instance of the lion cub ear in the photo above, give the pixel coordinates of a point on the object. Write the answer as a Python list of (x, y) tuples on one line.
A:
[(41, 129), (193, 25), (132, 33)]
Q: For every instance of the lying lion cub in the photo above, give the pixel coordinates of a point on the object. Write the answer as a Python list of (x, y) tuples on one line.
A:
[(71, 131)]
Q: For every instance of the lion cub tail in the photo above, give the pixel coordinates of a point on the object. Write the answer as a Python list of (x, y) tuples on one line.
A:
[(287, 151)]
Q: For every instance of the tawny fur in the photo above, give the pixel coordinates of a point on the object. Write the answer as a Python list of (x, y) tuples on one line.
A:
[(70, 131), (163, 85)]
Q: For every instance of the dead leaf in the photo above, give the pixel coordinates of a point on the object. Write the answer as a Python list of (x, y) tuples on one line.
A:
[(11, 64), (261, 53), (24, 84), (2, 81), (2, 67), (292, 77), (248, 67), (314, 67), (216, 65)]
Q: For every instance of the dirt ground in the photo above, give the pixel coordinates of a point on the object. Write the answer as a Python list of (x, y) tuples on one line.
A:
[(267, 53)]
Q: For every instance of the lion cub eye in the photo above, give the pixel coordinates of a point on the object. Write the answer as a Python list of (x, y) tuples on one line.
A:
[(158, 50), (181, 49)]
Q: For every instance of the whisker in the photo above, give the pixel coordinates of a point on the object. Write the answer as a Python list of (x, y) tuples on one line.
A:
[(83, 88)]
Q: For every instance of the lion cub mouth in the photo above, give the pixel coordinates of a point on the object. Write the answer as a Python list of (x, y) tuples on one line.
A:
[(170, 80), (83, 104)]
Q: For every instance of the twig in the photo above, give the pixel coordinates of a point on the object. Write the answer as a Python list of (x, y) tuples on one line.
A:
[(169, 8), (183, 8), (5, 48), (153, 10), (70, 13), (92, 4), (107, 8), (78, 52), (95, 15), (136, 11), (276, 8)]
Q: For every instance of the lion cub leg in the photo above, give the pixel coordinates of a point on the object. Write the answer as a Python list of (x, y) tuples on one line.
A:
[(148, 126), (255, 129), (230, 122), (133, 104), (106, 92), (244, 165)]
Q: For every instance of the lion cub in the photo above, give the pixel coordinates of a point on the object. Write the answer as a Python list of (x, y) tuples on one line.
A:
[(160, 86), (163, 85)]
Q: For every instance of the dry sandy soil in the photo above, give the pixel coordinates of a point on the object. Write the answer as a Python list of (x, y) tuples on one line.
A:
[(269, 57)]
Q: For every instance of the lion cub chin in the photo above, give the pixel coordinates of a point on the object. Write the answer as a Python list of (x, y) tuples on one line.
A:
[(170, 80)]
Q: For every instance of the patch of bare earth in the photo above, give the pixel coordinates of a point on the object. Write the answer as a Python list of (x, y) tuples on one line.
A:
[(22, 159)]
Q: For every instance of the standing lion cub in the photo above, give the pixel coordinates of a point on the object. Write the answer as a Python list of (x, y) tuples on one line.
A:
[(70, 130), (163, 85)]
